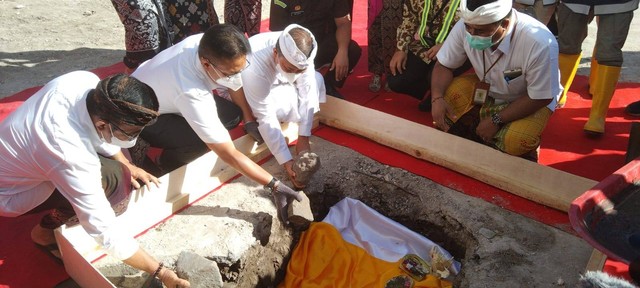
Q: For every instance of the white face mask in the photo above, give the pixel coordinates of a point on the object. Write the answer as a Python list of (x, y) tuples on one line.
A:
[(290, 77), (233, 82), (120, 143)]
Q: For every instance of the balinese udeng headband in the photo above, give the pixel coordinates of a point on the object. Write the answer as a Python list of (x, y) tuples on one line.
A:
[(290, 50), (485, 14), (127, 112)]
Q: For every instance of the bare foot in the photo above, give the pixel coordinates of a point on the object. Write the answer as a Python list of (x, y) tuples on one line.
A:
[(42, 236)]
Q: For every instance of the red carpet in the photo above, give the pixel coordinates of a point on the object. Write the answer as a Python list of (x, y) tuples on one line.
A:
[(563, 147)]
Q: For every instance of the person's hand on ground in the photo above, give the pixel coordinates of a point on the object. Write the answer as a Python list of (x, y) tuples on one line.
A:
[(281, 195), (251, 128), (398, 62), (171, 280)]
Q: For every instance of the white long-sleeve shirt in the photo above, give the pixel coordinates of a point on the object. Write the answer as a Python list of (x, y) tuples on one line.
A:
[(50, 142), (274, 100), (183, 87)]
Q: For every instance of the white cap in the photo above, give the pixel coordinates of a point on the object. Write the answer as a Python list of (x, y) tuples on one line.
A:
[(290, 50), (485, 14)]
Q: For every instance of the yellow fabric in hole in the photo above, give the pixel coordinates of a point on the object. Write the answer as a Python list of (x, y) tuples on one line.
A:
[(323, 259)]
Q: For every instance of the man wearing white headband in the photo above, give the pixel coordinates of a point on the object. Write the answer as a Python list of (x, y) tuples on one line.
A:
[(507, 102), (330, 22), (281, 85)]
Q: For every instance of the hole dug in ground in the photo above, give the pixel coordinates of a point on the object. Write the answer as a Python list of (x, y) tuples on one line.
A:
[(496, 248)]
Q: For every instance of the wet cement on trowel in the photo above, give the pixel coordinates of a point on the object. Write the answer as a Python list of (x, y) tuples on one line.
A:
[(237, 227)]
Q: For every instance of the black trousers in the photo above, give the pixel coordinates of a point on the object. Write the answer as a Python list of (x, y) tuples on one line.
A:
[(415, 80), (179, 143), (116, 181), (327, 50)]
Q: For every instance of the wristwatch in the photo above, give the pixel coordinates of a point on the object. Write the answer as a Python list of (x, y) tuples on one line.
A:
[(269, 187), (496, 120)]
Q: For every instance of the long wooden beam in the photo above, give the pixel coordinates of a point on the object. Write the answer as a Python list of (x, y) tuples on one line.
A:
[(542, 184)]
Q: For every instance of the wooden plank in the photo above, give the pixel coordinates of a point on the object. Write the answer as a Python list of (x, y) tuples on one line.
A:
[(596, 261), (542, 184), (179, 188), (76, 265)]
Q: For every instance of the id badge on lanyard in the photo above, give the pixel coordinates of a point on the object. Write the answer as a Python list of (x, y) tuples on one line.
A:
[(481, 89), (480, 92)]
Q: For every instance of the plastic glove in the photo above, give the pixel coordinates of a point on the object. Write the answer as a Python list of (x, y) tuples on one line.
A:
[(251, 128), (281, 195)]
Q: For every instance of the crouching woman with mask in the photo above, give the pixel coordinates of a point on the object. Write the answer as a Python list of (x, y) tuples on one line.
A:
[(282, 85), (61, 152)]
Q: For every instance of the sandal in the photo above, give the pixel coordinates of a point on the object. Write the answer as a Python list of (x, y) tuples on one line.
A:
[(52, 250), (375, 84)]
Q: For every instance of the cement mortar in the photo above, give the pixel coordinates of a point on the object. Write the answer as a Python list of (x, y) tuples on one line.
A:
[(497, 248)]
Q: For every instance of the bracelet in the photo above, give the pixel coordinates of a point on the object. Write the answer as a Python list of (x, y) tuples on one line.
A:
[(155, 274), (436, 99)]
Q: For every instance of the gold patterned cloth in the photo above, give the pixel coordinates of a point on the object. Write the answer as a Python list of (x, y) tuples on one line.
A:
[(515, 138)]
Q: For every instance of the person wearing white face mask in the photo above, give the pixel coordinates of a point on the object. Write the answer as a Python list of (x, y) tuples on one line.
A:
[(192, 119), (61, 152), (507, 102), (281, 85), (199, 87)]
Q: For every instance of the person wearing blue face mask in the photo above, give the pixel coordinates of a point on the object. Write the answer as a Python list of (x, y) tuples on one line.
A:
[(509, 99), (282, 85), (61, 153)]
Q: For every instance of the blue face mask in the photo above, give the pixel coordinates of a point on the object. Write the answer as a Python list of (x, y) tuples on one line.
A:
[(480, 42)]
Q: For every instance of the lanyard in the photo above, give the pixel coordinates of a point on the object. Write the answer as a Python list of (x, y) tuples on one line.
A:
[(485, 71), (484, 75)]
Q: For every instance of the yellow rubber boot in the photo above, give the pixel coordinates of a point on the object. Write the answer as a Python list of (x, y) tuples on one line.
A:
[(603, 87), (593, 71), (568, 64)]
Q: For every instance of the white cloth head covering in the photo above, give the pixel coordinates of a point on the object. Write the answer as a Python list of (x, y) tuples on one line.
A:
[(485, 14), (290, 50)]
